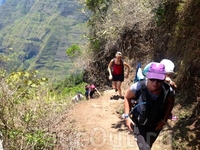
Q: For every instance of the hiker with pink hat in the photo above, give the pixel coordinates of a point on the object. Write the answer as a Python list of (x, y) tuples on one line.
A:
[(90, 90), (154, 103)]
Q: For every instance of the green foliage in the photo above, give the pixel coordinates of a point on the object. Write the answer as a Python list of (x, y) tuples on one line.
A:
[(97, 5), (71, 85), (73, 51), (40, 140), (43, 28), (160, 14), (96, 45)]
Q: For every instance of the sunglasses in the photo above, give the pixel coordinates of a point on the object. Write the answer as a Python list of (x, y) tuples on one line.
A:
[(157, 80)]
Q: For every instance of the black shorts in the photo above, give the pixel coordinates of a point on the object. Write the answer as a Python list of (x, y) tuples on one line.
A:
[(119, 77)]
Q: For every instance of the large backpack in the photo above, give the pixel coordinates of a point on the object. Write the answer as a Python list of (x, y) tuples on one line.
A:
[(138, 73), (151, 111)]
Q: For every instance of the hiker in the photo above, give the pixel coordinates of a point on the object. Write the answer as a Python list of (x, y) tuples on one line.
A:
[(116, 72), (77, 97), (155, 102), (90, 90), (169, 68)]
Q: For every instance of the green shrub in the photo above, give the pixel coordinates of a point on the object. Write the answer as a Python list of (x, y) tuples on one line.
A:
[(28, 106)]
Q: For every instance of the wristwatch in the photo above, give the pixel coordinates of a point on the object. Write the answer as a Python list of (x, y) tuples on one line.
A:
[(126, 116)]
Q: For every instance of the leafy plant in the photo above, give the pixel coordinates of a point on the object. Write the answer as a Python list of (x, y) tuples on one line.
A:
[(71, 85), (160, 14), (25, 102), (73, 51)]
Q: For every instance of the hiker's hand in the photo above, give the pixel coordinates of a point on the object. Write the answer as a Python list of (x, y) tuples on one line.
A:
[(129, 124), (110, 77), (173, 84), (160, 125)]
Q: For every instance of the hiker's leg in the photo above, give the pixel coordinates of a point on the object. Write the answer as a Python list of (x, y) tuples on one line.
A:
[(119, 88), (119, 83), (86, 95), (145, 138), (114, 82), (151, 136), (140, 138), (91, 94)]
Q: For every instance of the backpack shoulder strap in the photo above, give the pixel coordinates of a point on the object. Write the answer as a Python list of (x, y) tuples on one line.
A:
[(122, 62), (144, 90), (113, 61), (140, 92), (166, 89), (143, 87)]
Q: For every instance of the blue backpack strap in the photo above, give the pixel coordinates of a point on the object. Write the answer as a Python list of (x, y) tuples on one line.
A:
[(138, 94)]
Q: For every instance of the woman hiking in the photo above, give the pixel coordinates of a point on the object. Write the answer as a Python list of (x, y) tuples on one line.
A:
[(116, 72)]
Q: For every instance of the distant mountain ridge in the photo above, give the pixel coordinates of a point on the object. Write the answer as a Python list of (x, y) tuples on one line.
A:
[(35, 34)]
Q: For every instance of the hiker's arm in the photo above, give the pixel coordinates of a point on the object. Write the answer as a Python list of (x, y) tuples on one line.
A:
[(128, 67), (98, 92), (109, 69), (172, 83), (127, 103), (127, 100), (169, 107)]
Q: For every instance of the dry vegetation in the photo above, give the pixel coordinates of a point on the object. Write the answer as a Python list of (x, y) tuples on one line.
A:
[(29, 111)]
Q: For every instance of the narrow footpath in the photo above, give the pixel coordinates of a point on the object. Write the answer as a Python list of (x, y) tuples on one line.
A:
[(96, 124)]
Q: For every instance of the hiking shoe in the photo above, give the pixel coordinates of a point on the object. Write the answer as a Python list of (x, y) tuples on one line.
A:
[(122, 97)]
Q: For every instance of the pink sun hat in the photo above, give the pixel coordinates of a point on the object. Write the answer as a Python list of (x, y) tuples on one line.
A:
[(92, 86), (156, 71)]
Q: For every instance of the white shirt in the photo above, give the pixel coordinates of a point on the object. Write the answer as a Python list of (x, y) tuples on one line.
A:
[(78, 97)]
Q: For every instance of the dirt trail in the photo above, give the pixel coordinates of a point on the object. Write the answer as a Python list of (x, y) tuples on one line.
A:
[(98, 126)]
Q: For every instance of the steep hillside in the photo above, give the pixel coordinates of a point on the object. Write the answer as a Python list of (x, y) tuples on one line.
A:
[(180, 43), (150, 31), (35, 34)]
